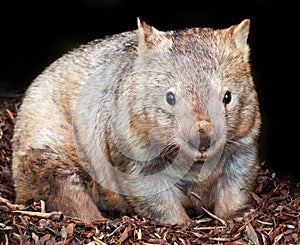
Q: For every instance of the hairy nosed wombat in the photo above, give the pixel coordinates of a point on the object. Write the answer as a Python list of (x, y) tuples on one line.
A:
[(138, 122)]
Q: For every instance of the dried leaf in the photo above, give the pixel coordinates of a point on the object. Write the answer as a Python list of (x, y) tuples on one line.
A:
[(251, 234), (125, 234), (70, 229)]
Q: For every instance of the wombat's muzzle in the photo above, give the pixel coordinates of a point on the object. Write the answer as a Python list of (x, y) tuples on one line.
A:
[(202, 139)]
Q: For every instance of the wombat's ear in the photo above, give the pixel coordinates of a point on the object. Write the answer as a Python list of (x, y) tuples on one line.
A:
[(149, 37), (240, 34)]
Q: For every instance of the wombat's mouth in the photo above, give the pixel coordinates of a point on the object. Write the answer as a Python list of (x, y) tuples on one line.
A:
[(197, 153)]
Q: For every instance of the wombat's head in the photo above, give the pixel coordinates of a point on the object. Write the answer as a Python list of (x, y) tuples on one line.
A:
[(192, 89)]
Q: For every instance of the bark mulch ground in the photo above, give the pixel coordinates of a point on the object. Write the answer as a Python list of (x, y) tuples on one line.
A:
[(274, 220)]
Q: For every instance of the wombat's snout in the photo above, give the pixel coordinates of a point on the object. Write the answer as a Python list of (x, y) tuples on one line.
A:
[(202, 137)]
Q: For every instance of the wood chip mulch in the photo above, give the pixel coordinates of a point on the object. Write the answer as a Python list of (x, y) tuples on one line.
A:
[(275, 219)]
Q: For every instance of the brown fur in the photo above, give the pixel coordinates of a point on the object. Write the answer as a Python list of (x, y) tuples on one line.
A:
[(96, 137)]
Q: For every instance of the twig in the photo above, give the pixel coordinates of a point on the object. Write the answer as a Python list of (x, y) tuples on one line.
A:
[(10, 116), (43, 207), (198, 197), (118, 228), (39, 214), (222, 239), (10, 205), (214, 216), (6, 239), (209, 213), (209, 228)]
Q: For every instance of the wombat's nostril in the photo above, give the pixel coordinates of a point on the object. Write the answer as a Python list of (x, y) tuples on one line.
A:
[(204, 128), (203, 125)]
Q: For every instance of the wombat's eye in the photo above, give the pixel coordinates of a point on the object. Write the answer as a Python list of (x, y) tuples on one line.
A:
[(227, 97), (170, 98)]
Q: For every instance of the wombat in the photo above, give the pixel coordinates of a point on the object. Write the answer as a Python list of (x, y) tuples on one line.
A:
[(137, 122)]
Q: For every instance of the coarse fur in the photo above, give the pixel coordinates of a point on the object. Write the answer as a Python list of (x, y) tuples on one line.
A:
[(139, 121)]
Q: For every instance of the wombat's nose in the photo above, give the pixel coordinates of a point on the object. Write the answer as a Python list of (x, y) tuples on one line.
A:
[(204, 127), (205, 133), (201, 136)]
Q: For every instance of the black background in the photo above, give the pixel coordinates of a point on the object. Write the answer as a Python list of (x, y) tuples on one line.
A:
[(34, 34)]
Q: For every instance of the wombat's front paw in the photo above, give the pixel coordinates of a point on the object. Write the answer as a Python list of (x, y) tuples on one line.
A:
[(242, 214), (182, 220), (237, 215)]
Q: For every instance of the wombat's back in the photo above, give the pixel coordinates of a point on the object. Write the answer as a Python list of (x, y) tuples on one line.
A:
[(46, 113)]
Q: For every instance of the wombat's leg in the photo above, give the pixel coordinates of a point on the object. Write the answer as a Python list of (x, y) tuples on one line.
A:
[(165, 207), (232, 189), (70, 196), (60, 182)]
